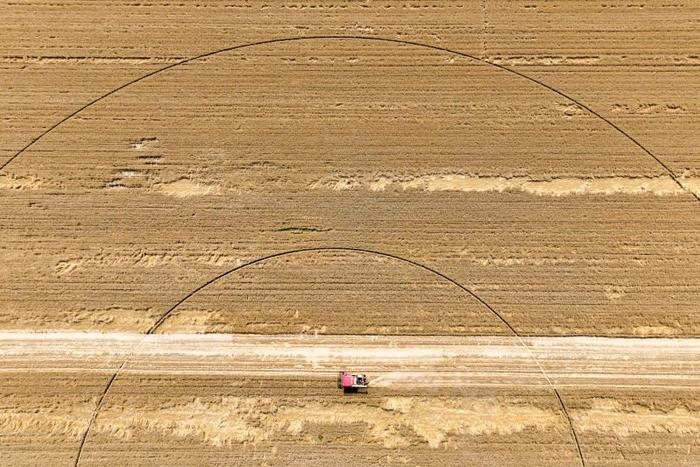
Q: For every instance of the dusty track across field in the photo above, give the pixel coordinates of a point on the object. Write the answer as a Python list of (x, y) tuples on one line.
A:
[(472, 360)]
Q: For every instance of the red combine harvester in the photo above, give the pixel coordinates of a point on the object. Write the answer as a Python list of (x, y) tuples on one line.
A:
[(352, 382)]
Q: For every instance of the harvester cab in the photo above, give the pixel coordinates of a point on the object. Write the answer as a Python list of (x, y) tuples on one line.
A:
[(352, 382)]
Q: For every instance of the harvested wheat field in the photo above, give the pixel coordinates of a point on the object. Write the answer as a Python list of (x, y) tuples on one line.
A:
[(209, 209)]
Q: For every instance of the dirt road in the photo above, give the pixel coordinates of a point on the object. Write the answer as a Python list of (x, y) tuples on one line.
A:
[(390, 361), (235, 398)]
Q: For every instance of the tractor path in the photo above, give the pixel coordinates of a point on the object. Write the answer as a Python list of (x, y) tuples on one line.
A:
[(389, 361)]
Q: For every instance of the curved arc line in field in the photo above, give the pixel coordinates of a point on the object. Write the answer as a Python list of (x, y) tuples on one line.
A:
[(361, 38), (400, 259), (367, 251)]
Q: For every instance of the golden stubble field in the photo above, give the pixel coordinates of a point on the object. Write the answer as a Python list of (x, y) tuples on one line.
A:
[(347, 168)]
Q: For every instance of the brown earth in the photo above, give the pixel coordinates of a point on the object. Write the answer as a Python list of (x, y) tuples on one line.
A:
[(219, 399), (364, 169), (551, 215)]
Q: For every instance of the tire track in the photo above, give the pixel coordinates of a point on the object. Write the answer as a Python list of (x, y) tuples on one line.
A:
[(537, 82), (400, 259)]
